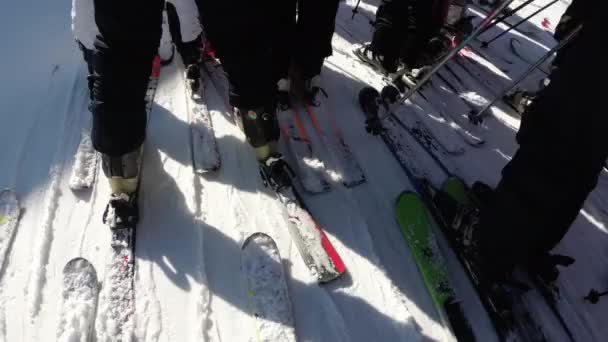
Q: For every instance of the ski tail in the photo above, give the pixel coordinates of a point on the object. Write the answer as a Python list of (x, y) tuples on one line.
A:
[(84, 169), (350, 172)]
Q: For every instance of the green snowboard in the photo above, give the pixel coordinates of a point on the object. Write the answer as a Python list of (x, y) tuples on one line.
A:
[(417, 230)]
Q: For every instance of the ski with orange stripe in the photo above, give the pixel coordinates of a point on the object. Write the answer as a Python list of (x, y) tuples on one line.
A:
[(347, 169), (310, 168)]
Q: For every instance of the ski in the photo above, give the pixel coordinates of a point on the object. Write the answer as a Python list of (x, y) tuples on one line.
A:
[(310, 168), (549, 293), (416, 116), (319, 255), (117, 297), (375, 106), (500, 314), (267, 292), (205, 153), (429, 98), (9, 219), (80, 290), (84, 168), (503, 302), (483, 71), (350, 173), (418, 233)]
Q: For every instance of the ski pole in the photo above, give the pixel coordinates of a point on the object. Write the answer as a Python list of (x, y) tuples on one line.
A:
[(487, 43), (507, 15), (476, 118), (448, 56)]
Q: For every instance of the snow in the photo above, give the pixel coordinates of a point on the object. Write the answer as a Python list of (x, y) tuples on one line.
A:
[(189, 284)]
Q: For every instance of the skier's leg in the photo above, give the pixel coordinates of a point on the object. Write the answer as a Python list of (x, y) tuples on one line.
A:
[(242, 33), (315, 29), (424, 20), (560, 157), (186, 33), (388, 34), (128, 40)]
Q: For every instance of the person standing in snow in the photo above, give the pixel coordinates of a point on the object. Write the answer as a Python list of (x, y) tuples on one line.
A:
[(257, 43), (402, 33), (562, 150), (119, 41), (186, 33)]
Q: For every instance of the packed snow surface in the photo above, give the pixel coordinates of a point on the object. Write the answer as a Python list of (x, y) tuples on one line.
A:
[(188, 278)]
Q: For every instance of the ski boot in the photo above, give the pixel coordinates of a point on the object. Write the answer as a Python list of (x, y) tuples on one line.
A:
[(123, 175), (371, 58), (193, 78), (284, 90), (276, 173), (312, 91)]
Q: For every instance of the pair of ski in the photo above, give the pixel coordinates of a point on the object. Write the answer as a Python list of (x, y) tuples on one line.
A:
[(312, 169), (415, 214), (81, 289), (315, 248)]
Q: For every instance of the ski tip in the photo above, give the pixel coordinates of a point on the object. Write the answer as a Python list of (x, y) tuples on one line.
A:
[(339, 266), (78, 264), (257, 237)]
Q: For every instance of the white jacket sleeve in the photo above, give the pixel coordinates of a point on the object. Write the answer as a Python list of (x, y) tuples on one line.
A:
[(189, 23), (83, 22)]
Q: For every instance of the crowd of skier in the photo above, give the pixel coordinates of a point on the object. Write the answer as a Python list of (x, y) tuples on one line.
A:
[(270, 49)]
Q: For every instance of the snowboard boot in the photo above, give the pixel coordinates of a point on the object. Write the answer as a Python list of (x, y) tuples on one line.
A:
[(276, 173), (284, 90), (123, 171)]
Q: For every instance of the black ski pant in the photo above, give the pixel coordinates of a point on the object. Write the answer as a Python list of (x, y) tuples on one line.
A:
[(562, 151), (403, 29), (122, 61), (189, 51), (257, 42)]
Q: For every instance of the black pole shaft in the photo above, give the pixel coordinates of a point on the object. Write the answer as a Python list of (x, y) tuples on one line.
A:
[(482, 112), (449, 55), (507, 15), (485, 44)]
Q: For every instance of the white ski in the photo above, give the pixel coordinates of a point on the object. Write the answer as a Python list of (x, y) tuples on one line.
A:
[(267, 292), (80, 291), (349, 171), (309, 167)]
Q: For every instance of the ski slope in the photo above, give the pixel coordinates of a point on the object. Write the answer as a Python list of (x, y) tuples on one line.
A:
[(189, 285)]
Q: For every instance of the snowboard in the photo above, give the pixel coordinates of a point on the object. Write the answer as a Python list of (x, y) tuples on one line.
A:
[(80, 290), (9, 219), (418, 233), (267, 292)]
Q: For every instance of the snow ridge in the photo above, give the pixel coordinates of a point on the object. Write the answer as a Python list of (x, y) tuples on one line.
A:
[(85, 164), (42, 245)]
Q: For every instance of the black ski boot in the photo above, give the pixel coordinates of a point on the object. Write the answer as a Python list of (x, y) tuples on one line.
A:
[(276, 173), (193, 78), (313, 92), (284, 92)]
